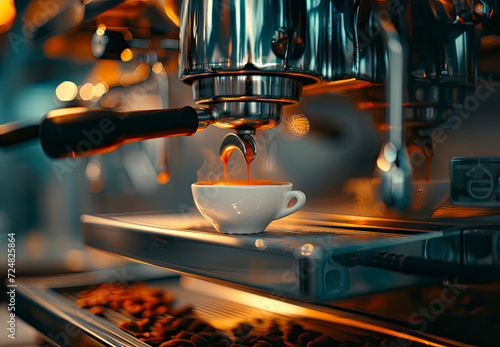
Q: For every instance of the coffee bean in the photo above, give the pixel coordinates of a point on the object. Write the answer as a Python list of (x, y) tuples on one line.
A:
[(161, 310), (292, 336), (262, 344), (323, 343), (307, 337), (167, 298), (292, 332), (242, 330), (96, 310), (199, 340), (273, 341), (197, 326), (128, 326), (181, 312), (143, 322), (178, 343), (143, 335), (179, 324), (147, 313), (155, 341), (210, 337), (274, 329), (132, 307), (295, 327), (184, 335)]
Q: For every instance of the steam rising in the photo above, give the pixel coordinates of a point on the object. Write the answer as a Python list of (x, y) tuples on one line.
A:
[(213, 167)]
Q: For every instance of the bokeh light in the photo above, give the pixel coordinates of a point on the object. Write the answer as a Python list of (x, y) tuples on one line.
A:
[(157, 67), (298, 125), (261, 244), (307, 249), (126, 55), (66, 91), (7, 14), (93, 170), (87, 91), (101, 29), (100, 89)]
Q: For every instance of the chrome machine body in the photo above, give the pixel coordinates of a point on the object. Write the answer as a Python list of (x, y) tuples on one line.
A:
[(246, 60)]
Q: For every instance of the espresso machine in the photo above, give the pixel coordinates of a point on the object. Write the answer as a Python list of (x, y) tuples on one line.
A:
[(422, 270)]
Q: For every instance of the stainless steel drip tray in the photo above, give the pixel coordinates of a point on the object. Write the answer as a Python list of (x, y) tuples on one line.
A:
[(49, 305), (292, 258)]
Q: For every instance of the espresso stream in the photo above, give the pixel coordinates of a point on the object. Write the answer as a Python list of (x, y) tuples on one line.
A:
[(226, 154)]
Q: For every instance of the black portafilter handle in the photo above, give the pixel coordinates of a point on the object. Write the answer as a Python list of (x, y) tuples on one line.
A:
[(81, 132), (15, 133), (419, 266)]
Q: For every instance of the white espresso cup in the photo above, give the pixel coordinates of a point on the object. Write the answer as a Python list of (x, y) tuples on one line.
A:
[(238, 208)]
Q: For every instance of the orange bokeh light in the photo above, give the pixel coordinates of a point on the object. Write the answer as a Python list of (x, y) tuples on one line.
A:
[(7, 15)]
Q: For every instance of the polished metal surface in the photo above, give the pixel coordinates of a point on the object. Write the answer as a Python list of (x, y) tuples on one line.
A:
[(242, 142), (49, 305), (260, 52), (246, 101), (299, 247), (221, 88), (205, 117), (247, 114), (252, 37)]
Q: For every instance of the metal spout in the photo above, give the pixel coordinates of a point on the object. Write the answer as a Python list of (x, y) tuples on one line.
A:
[(244, 143)]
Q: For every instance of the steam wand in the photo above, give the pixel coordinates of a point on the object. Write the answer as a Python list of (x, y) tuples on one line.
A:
[(394, 160)]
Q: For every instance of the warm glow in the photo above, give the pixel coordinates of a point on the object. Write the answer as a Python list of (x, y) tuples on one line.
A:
[(101, 29), (93, 170), (61, 112), (267, 304), (261, 244), (100, 89), (74, 260), (87, 91), (66, 91), (172, 10), (127, 35), (307, 250), (7, 14), (140, 74), (163, 177), (157, 67), (383, 164), (127, 55), (298, 125)]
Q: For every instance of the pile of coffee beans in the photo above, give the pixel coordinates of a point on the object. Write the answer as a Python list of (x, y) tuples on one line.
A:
[(175, 331), (157, 322), (294, 335), (139, 300)]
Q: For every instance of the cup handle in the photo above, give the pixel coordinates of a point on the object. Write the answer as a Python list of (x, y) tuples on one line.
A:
[(285, 211)]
